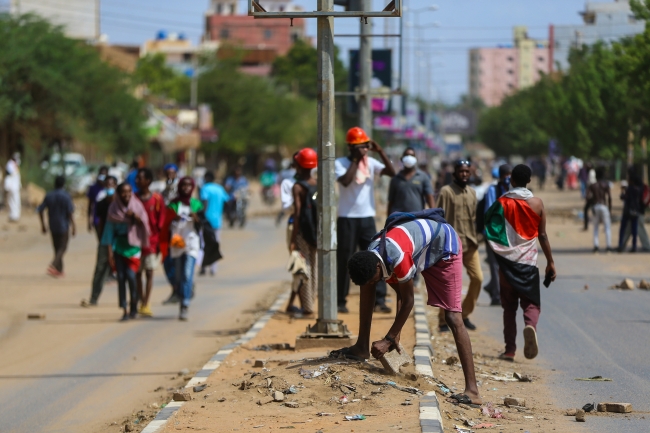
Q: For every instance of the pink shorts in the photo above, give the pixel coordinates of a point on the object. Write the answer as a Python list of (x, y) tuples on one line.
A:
[(444, 282)]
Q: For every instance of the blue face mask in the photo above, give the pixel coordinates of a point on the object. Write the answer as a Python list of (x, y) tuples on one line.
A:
[(110, 191), (507, 181)]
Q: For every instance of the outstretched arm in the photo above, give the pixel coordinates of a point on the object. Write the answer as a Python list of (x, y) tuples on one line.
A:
[(405, 305)]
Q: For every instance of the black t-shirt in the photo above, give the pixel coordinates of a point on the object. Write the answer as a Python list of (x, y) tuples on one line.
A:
[(59, 210), (409, 195), (101, 210)]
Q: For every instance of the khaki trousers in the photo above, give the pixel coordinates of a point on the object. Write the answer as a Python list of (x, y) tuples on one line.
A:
[(472, 264)]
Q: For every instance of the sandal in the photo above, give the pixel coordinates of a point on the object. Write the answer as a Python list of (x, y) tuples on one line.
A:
[(464, 399), (345, 353)]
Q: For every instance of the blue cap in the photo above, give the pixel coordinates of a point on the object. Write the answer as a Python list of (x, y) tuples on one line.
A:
[(170, 166)]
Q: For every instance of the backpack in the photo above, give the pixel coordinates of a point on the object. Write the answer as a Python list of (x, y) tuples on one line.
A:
[(398, 218), (308, 219)]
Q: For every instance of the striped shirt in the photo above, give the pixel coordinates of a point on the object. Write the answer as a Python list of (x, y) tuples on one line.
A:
[(415, 246)]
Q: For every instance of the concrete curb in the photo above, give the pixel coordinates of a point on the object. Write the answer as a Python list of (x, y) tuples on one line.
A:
[(430, 417), (202, 375)]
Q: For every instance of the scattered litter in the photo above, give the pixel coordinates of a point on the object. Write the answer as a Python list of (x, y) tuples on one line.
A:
[(276, 346), (325, 414), (529, 417), (343, 400), (258, 426), (291, 404), (222, 399), (349, 387), (580, 415), (594, 379), (444, 389), (407, 403), (408, 389), (36, 316), (615, 407), (491, 411), (309, 374), (291, 390), (522, 377), (451, 360), (182, 396), (199, 388), (355, 417), (589, 407), (483, 425), (462, 429), (501, 378), (289, 426)]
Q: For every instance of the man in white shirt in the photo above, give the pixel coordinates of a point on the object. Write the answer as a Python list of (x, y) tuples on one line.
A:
[(356, 213), (12, 185)]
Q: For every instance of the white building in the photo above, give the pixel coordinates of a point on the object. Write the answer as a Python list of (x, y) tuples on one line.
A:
[(79, 18), (605, 22)]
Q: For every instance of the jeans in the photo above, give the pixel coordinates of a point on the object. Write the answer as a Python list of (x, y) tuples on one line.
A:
[(493, 286), (60, 243), (634, 226), (643, 235), (353, 233), (102, 269), (601, 215), (169, 265), (509, 300), (126, 276), (185, 278)]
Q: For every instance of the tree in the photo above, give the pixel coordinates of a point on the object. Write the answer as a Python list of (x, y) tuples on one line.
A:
[(56, 88), (160, 79)]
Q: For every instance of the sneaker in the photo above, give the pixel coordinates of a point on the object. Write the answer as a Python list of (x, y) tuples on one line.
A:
[(443, 328), (530, 342), (343, 309), (595, 250), (125, 318), (183, 314), (145, 311), (469, 325), (173, 299), (133, 314), (495, 303), (382, 308), (510, 357), (88, 304)]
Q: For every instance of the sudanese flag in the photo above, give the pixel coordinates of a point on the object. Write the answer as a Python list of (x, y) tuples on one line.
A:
[(511, 230)]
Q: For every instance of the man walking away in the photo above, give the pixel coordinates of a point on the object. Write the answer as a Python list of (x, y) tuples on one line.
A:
[(513, 225), (423, 245), (356, 212), (304, 235), (632, 197), (60, 212), (93, 192), (154, 205), (12, 185), (601, 198), (459, 203), (102, 267), (410, 190), (493, 193), (214, 198), (171, 183)]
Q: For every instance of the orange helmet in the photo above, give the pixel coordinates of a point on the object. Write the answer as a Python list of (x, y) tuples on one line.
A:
[(307, 158), (356, 135)]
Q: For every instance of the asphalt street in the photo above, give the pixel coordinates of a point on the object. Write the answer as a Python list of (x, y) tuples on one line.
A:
[(593, 332), (80, 369)]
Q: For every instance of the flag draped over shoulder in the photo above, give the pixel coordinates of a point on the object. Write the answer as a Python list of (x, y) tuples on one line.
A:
[(511, 229)]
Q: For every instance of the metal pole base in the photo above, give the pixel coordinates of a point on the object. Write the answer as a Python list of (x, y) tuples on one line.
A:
[(325, 334)]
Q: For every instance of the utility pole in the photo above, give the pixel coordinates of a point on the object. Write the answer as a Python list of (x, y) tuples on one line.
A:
[(365, 70)]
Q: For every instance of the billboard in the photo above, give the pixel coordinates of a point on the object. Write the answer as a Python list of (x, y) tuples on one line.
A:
[(79, 18), (458, 122), (381, 84)]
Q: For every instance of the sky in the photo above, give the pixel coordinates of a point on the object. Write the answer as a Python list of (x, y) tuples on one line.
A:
[(436, 43)]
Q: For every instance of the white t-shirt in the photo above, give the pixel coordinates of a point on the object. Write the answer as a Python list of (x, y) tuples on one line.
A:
[(185, 228), (286, 193), (357, 200)]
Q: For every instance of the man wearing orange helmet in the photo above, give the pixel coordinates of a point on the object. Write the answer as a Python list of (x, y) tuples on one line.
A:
[(304, 236), (356, 213)]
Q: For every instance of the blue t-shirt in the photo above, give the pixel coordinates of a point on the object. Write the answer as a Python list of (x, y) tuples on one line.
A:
[(236, 184), (130, 179), (215, 197)]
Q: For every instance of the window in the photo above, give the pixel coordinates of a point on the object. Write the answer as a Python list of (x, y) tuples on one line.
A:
[(510, 71), (268, 34), (219, 8), (541, 59), (224, 33), (511, 59)]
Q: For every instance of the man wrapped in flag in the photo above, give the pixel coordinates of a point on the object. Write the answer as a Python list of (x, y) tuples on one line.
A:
[(513, 225)]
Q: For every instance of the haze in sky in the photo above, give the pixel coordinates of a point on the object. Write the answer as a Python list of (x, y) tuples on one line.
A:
[(439, 40)]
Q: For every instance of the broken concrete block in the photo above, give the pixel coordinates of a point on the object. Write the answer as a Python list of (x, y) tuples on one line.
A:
[(199, 388), (259, 363), (571, 412), (393, 360), (278, 396), (626, 284), (644, 285), (512, 401), (615, 407), (580, 415), (291, 404), (264, 400), (182, 396)]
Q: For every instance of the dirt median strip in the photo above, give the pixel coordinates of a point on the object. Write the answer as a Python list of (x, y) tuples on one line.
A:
[(214, 363)]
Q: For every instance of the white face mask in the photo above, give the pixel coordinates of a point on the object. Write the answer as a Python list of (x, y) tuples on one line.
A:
[(409, 161)]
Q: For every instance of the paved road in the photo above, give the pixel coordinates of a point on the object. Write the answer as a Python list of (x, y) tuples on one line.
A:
[(80, 369), (584, 333)]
